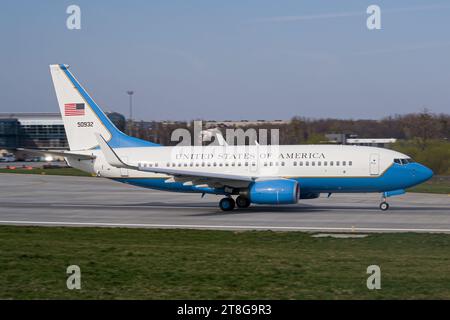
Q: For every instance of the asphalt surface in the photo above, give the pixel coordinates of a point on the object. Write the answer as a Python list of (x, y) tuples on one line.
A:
[(34, 164), (84, 201)]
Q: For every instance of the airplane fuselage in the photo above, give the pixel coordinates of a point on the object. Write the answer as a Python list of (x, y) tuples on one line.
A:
[(317, 168)]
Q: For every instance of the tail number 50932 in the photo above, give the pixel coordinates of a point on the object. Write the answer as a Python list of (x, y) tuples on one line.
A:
[(85, 124)]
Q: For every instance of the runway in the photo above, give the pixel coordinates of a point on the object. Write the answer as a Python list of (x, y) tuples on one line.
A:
[(84, 201)]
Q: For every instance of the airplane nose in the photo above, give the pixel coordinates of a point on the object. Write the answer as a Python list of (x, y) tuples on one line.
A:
[(424, 173)]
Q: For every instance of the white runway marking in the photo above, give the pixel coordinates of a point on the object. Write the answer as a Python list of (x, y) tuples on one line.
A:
[(230, 227)]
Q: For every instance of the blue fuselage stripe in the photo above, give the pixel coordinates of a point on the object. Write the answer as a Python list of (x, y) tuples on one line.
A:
[(395, 178)]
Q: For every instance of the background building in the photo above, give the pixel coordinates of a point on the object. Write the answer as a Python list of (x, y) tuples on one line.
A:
[(9, 133), (342, 138), (32, 130), (38, 131)]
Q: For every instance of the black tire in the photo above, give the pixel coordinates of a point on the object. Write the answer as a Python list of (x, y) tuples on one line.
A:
[(227, 204), (242, 202), (384, 206)]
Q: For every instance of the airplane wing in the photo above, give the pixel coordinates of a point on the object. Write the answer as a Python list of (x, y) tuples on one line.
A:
[(66, 154), (187, 176)]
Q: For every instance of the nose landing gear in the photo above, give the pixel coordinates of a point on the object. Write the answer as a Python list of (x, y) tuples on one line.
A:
[(384, 205)]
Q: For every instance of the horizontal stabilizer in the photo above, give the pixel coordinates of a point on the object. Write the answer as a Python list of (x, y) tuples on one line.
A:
[(65, 154)]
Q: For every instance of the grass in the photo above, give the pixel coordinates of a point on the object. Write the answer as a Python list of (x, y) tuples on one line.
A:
[(49, 171), (200, 264), (435, 185)]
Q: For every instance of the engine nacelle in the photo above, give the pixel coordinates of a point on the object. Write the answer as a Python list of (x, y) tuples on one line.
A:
[(280, 191)]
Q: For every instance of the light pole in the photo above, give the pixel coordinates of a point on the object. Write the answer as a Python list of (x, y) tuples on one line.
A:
[(130, 124)]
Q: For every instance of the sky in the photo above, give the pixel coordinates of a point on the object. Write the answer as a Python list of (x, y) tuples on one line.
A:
[(231, 60)]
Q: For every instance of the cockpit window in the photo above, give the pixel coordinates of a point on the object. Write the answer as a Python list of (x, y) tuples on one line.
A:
[(403, 161)]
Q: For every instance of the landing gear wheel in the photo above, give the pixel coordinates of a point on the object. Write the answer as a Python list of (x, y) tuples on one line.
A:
[(242, 202), (227, 204), (384, 206)]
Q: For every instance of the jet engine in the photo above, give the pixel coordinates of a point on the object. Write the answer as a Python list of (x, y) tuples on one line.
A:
[(277, 191)]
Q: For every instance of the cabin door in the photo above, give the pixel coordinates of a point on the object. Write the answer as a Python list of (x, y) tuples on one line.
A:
[(374, 164)]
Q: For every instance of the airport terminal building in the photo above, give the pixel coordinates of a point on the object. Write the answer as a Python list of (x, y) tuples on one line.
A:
[(32, 130)]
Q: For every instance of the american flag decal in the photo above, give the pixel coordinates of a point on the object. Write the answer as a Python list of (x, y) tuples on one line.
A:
[(74, 109)]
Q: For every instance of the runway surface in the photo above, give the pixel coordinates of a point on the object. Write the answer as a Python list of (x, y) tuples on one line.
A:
[(83, 201)]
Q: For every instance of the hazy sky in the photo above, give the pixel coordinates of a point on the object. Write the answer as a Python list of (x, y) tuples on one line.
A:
[(243, 59)]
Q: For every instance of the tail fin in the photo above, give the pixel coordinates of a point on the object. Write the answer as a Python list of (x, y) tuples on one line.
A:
[(83, 118)]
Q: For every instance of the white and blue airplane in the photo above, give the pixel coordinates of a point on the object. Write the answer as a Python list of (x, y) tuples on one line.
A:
[(258, 174)]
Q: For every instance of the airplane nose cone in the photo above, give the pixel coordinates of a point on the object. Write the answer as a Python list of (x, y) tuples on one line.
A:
[(428, 173), (424, 173)]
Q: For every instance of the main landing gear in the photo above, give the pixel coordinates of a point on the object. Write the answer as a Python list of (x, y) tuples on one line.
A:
[(228, 203), (242, 202)]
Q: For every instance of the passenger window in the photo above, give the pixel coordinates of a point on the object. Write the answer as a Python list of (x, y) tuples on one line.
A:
[(226, 164), (295, 163), (307, 163), (343, 163), (239, 164), (319, 163), (232, 164), (331, 163), (282, 163), (167, 164), (203, 164), (253, 164), (325, 163), (337, 163), (300, 163), (350, 163), (246, 164), (191, 164), (313, 163), (220, 164), (214, 164), (197, 164)]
